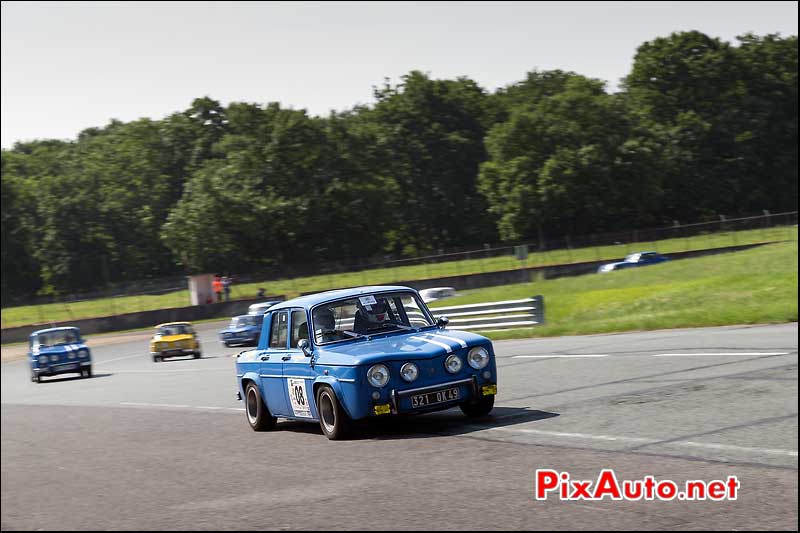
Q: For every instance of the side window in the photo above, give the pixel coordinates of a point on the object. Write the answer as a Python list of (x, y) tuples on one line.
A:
[(299, 326), (279, 330)]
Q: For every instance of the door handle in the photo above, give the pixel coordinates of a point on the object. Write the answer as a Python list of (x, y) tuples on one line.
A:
[(265, 358), (286, 357)]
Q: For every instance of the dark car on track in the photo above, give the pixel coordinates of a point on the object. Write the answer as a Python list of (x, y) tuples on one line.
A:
[(634, 260), (58, 351), (244, 329)]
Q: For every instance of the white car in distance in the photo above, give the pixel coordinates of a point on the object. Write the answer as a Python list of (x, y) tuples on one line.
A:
[(437, 293)]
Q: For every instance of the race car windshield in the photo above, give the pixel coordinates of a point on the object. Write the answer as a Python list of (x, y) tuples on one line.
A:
[(178, 329), (54, 338), (242, 321), (368, 314)]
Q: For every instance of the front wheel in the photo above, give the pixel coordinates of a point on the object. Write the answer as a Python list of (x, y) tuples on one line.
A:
[(258, 416), (335, 423), (480, 408), (86, 372)]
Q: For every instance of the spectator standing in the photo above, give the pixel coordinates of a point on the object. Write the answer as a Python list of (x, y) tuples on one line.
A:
[(226, 286), (217, 286)]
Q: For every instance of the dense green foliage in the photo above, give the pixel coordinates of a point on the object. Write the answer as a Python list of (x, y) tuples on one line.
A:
[(700, 127)]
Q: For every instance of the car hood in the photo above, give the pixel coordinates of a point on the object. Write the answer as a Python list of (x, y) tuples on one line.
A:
[(61, 348), (173, 338), (425, 344)]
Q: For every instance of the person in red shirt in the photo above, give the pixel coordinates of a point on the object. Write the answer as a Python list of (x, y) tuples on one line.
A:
[(217, 286)]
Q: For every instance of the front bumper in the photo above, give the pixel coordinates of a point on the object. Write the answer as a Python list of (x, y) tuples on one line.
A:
[(62, 368), (174, 352), (401, 399), (237, 340)]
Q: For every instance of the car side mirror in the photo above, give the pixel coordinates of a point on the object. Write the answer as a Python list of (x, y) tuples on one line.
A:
[(442, 322), (304, 345)]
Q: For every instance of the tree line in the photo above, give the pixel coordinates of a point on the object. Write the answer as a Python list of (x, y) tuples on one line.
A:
[(699, 126)]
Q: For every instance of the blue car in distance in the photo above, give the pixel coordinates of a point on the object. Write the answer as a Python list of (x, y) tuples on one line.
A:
[(352, 354), (634, 260), (58, 351), (244, 329)]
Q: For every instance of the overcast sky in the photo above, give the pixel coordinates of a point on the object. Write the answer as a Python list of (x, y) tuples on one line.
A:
[(67, 66)]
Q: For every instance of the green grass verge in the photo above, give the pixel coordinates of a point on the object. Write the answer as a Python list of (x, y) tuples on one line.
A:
[(22, 315), (751, 287)]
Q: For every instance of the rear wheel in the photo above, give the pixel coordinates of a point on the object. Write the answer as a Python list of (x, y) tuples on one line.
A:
[(258, 416), (198, 355), (480, 408), (335, 423)]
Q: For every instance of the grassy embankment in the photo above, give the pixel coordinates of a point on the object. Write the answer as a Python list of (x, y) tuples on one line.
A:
[(16, 316), (750, 287)]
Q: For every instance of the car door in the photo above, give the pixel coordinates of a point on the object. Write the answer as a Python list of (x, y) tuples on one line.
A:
[(298, 374), (271, 354)]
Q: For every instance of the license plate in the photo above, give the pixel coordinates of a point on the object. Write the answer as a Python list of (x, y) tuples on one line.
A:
[(431, 398), (67, 367)]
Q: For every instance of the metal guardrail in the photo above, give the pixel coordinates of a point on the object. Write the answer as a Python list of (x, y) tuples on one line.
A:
[(507, 314)]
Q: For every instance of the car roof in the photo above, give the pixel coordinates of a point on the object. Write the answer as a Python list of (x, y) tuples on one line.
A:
[(174, 324), (48, 330), (311, 300), (247, 316), (265, 304)]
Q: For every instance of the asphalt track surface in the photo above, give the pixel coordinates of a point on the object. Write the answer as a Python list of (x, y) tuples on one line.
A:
[(146, 445)]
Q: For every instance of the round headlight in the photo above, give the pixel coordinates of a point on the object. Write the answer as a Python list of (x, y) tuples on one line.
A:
[(409, 372), (478, 357), (54, 358), (453, 364), (71, 355), (42, 359), (378, 375), (83, 353)]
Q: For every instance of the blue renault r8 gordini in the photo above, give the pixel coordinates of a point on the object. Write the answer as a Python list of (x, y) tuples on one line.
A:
[(58, 351), (244, 329), (352, 354)]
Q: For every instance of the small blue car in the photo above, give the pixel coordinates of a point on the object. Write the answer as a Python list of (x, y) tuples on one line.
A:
[(634, 260), (353, 354), (58, 351), (244, 329)]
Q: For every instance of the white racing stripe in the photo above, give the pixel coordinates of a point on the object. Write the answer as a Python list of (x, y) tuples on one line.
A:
[(717, 353), (447, 347), (640, 440), (454, 339)]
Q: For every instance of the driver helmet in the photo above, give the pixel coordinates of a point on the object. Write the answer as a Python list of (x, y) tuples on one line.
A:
[(376, 313)]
